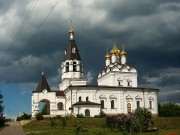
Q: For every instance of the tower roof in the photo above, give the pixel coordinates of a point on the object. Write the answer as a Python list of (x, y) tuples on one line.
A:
[(72, 52), (43, 84)]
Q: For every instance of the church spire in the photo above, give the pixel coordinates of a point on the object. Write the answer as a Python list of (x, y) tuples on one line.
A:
[(71, 32)]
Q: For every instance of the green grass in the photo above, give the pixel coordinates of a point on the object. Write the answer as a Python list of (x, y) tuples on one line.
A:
[(96, 126)]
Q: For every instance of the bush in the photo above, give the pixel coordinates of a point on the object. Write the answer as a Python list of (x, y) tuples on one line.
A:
[(39, 116), (101, 115), (142, 119), (63, 122), (2, 122), (80, 116)]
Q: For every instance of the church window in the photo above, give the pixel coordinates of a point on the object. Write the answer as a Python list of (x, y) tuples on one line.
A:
[(79, 98), (129, 108), (150, 104), (87, 112), (120, 82), (67, 67), (60, 106), (74, 50), (112, 104), (138, 104), (129, 83), (87, 98), (102, 104), (74, 66)]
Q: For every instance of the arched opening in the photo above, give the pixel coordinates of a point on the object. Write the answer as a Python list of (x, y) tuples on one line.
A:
[(150, 104), (112, 104), (87, 113), (60, 106), (87, 98), (102, 104), (79, 98), (129, 108), (44, 107), (67, 67), (74, 67), (138, 104)]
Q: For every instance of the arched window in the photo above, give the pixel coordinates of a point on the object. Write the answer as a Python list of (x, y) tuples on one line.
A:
[(87, 112), (74, 66), (129, 108), (67, 67), (102, 104), (79, 98), (60, 106), (138, 104), (87, 98), (150, 104), (112, 104)]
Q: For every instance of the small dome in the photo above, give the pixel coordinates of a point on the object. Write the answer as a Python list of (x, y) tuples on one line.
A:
[(115, 51), (123, 53), (71, 30), (107, 56)]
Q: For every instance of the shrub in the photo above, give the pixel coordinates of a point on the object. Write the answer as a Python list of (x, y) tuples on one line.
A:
[(2, 121), (39, 116), (80, 116), (101, 115), (63, 120), (78, 128), (52, 123), (142, 119)]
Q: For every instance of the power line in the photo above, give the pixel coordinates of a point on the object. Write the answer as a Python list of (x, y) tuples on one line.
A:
[(38, 29), (23, 23)]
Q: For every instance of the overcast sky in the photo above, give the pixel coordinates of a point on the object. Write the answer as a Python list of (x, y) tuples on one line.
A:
[(150, 30)]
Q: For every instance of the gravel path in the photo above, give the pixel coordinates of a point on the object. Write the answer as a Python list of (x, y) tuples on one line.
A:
[(13, 128)]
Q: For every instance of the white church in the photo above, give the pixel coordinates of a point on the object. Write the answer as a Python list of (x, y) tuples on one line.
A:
[(116, 92)]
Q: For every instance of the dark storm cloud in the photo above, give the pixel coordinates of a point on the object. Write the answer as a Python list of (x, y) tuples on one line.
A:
[(149, 29)]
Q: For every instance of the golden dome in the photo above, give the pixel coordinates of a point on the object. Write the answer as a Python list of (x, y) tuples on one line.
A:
[(115, 51), (107, 56), (71, 30), (123, 52)]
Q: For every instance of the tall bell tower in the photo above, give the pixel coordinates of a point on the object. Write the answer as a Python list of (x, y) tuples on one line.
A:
[(72, 66)]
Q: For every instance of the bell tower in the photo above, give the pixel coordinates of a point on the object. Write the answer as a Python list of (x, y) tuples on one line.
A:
[(72, 66)]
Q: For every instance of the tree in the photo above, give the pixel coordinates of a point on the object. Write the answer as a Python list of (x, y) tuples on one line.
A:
[(1, 106), (169, 109), (142, 118), (2, 120)]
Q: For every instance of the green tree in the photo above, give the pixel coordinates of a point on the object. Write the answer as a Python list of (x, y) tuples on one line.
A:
[(1, 106), (169, 109), (2, 120), (142, 119)]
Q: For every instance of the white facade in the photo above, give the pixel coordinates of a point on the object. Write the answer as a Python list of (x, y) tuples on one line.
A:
[(117, 90)]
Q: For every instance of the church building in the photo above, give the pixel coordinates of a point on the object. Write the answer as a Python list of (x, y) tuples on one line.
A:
[(116, 91)]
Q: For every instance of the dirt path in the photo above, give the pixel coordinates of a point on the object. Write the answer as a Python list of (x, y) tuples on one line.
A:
[(13, 128)]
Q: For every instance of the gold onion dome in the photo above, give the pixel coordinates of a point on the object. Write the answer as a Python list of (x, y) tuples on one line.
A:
[(107, 56), (71, 30), (123, 52), (115, 50)]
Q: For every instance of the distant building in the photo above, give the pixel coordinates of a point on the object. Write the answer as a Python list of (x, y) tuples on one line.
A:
[(117, 90)]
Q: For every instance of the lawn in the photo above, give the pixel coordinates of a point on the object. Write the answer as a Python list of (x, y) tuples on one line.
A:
[(95, 126)]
